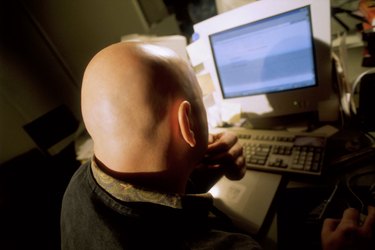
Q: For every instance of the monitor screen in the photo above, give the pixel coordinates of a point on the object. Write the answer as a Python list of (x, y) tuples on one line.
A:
[(270, 55)]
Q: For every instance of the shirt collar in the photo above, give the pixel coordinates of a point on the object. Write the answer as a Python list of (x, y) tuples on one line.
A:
[(130, 193)]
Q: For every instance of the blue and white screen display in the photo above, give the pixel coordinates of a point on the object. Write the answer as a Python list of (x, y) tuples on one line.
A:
[(267, 56)]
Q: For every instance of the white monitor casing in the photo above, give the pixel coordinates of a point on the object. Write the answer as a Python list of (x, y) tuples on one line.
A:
[(279, 103)]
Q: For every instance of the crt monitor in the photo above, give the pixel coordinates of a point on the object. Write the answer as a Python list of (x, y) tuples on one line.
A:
[(271, 57)]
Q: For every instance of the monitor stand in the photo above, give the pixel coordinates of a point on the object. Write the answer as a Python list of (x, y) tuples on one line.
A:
[(297, 122)]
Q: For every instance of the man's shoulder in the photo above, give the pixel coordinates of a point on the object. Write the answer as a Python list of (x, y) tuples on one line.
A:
[(81, 179), (82, 172)]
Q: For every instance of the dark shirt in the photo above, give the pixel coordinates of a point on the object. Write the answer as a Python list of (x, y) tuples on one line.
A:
[(101, 212)]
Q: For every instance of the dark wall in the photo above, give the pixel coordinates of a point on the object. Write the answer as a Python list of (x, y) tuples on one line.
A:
[(44, 48)]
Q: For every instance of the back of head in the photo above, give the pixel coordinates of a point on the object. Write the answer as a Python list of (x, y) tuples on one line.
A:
[(130, 97)]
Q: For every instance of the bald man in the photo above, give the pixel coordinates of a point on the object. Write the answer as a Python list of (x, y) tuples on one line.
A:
[(143, 108)]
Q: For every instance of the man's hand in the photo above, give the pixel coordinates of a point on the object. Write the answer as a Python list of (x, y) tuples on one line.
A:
[(349, 232), (225, 152)]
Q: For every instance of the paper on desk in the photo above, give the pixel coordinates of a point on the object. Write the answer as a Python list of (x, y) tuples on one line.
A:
[(85, 150), (248, 200), (231, 112), (352, 40), (214, 117), (206, 84), (328, 130)]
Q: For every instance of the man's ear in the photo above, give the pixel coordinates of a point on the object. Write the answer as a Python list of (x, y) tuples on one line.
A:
[(184, 121)]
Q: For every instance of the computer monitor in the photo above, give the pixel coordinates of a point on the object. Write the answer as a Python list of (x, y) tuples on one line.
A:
[(271, 57)]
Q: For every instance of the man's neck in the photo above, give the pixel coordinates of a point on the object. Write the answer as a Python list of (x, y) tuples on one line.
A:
[(162, 181)]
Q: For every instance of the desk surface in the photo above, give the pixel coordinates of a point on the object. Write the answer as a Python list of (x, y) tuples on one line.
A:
[(298, 224), (247, 201)]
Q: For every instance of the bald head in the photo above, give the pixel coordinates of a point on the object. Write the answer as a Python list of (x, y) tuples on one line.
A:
[(131, 95)]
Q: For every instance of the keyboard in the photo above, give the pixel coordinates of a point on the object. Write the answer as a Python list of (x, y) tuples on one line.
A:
[(283, 151)]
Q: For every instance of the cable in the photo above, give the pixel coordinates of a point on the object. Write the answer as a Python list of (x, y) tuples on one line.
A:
[(348, 185), (327, 202), (354, 87)]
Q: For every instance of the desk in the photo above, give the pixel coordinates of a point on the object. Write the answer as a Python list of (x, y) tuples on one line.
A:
[(248, 201), (298, 227), (277, 206), (297, 193)]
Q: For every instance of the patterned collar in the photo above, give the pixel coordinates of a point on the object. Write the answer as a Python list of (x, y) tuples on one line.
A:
[(131, 193)]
